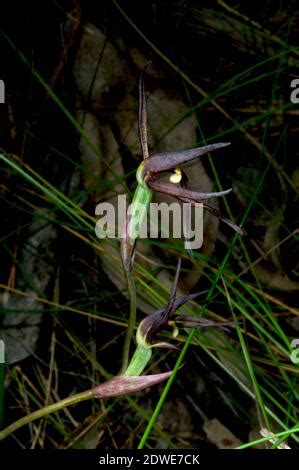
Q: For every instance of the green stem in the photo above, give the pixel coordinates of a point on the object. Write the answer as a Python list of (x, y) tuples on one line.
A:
[(139, 361), (87, 395), (132, 320)]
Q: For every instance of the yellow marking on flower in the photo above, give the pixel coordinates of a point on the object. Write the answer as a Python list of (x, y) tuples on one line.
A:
[(175, 330), (176, 176)]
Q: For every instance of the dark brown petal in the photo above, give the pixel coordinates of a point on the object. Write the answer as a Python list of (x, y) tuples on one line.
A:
[(142, 117), (190, 324), (228, 222), (191, 321), (122, 385), (168, 160), (153, 323), (187, 194), (180, 301), (214, 211)]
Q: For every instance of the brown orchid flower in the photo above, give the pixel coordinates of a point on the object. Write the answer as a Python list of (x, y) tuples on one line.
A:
[(147, 175), (151, 168), (156, 321), (158, 163)]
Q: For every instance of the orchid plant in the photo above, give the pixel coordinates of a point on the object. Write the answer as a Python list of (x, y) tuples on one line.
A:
[(151, 167), (130, 378)]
